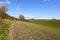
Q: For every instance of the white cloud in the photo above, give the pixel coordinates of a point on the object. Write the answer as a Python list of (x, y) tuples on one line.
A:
[(2, 4), (17, 8), (7, 2), (41, 18), (28, 16)]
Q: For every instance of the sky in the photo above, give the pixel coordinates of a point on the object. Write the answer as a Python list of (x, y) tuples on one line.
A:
[(38, 9)]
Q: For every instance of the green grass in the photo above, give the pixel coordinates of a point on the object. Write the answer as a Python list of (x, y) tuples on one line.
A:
[(49, 24), (4, 31)]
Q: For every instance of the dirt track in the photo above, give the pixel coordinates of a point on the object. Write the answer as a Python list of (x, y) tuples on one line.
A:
[(26, 31)]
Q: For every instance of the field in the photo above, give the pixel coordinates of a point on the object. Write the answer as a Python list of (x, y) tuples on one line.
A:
[(21, 30), (50, 24), (33, 30)]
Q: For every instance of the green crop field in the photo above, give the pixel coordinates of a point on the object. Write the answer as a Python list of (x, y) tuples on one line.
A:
[(51, 24)]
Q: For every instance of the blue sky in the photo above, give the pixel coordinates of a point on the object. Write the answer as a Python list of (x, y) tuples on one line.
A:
[(43, 9)]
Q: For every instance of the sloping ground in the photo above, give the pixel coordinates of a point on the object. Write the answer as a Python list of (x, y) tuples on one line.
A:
[(4, 15), (28, 31), (4, 29)]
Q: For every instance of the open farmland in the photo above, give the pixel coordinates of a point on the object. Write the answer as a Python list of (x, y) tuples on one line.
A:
[(29, 31), (50, 24)]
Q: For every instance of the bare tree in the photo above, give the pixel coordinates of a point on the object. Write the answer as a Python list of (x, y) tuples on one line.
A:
[(3, 8)]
